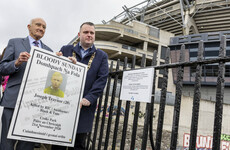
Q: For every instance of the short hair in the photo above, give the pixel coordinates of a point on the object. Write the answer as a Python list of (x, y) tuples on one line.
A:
[(57, 74), (88, 23), (32, 20)]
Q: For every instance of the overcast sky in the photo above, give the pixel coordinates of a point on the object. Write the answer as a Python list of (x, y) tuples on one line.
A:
[(63, 17)]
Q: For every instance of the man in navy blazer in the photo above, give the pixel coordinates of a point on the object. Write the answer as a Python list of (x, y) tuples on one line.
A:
[(97, 61), (13, 64)]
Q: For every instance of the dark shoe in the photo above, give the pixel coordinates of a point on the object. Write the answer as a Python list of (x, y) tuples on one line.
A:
[(37, 145)]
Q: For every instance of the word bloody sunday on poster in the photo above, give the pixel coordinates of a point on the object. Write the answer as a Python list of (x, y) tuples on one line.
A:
[(42, 114), (137, 85)]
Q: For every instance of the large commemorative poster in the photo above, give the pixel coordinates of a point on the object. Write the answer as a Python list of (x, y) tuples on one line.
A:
[(47, 108)]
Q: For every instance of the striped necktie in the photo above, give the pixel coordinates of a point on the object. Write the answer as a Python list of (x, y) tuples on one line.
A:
[(36, 43)]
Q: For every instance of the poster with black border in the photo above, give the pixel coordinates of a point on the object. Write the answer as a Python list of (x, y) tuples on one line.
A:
[(48, 104)]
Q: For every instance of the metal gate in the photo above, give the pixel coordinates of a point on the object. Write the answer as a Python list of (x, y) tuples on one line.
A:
[(105, 132)]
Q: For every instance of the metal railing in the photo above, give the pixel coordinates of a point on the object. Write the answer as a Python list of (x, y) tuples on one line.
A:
[(101, 137)]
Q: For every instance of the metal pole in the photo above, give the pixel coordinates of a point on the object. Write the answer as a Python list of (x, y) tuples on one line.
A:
[(162, 104), (196, 99), (179, 86), (219, 97), (105, 108)]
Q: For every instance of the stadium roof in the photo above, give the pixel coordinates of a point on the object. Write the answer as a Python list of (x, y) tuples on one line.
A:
[(181, 17)]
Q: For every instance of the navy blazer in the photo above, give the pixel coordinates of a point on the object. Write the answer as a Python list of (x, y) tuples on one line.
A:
[(7, 67), (95, 82)]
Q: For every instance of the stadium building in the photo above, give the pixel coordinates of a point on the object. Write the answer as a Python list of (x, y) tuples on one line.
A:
[(155, 25)]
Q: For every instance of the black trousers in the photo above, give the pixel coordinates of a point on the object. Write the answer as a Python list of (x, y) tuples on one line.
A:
[(80, 143)]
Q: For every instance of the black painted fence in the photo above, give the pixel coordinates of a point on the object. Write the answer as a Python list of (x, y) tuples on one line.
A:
[(101, 134)]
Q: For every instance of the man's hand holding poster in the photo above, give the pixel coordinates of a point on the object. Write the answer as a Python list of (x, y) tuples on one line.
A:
[(47, 108)]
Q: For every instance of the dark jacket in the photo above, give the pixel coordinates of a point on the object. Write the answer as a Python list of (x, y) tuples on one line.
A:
[(95, 82)]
